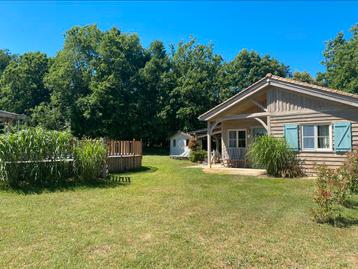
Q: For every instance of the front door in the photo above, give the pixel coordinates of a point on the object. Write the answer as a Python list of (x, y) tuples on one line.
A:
[(237, 147)]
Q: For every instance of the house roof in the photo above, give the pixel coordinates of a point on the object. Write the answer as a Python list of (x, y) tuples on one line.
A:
[(204, 131), (182, 133), (289, 84)]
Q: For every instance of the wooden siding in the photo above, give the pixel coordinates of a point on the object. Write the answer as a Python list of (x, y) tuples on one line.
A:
[(311, 159), (286, 106), (280, 100), (289, 107)]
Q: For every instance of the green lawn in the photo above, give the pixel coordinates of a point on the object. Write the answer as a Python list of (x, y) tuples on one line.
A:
[(174, 217)]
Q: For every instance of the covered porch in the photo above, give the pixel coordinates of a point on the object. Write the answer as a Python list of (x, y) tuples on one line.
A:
[(236, 135), (240, 119)]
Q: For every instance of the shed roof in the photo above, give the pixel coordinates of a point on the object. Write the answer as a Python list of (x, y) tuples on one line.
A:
[(182, 133)]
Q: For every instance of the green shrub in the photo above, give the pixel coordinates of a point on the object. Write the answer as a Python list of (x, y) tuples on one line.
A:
[(331, 191), (90, 159), (274, 155), (35, 157), (350, 171), (197, 156)]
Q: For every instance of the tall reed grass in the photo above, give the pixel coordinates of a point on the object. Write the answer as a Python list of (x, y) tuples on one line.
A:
[(274, 155), (90, 159), (36, 157)]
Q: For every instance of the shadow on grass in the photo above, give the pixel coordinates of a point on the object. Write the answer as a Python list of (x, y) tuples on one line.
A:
[(71, 184), (156, 151), (66, 186), (345, 222), (351, 203), (146, 169)]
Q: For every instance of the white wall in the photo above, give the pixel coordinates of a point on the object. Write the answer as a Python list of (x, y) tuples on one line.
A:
[(181, 145)]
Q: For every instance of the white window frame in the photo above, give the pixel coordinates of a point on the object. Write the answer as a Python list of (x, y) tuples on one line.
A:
[(315, 136), (237, 138), (174, 143)]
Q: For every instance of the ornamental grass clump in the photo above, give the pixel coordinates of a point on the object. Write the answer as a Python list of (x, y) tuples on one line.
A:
[(35, 157), (90, 159), (274, 155)]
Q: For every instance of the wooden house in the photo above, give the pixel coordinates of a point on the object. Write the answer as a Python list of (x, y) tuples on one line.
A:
[(319, 123)]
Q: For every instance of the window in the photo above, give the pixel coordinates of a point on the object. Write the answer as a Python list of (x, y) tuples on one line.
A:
[(237, 139), (258, 131), (174, 143), (316, 137), (242, 139), (232, 139)]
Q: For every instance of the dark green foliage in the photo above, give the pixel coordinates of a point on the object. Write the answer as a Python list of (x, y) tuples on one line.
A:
[(247, 68), (341, 61), (105, 84), (274, 155), (35, 157), (21, 84), (90, 159), (5, 58), (103, 80), (198, 156), (48, 117), (331, 192), (195, 89)]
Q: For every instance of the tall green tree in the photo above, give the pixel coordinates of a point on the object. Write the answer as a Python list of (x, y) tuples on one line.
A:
[(196, 88), (70, 75), (341, 61), (111, 105), (94, 81), (155, 84), (21, 84), (247, 68)]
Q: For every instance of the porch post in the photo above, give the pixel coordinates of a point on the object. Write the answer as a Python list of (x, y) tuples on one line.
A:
[(209, 144), (217, 143), (269, 125)]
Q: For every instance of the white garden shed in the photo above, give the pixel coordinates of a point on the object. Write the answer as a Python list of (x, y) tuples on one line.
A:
[(179, 144)]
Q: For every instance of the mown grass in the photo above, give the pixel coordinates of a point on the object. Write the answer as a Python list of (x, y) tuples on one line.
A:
[(174, 217)]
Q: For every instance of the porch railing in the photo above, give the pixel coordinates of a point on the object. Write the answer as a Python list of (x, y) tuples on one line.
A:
[(235, 157), (235, 154)]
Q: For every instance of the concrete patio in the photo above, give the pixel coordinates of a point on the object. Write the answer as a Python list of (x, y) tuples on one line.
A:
[(219, 169)]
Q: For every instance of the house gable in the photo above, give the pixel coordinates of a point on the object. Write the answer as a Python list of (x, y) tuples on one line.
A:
[(281, 100), (318, 92)]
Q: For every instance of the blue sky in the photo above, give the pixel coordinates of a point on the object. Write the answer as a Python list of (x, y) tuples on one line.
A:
[(293, 32)]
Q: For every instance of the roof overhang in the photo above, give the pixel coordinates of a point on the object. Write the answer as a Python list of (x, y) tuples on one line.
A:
[(11, 116), (287, 84), (187, 135)]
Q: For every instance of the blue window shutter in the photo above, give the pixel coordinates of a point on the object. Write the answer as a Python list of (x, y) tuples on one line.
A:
[(291, 135), (342, 136)]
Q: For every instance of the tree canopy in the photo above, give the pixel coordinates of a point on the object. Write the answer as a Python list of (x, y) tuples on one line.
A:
[(22, 83), (341, 61), (105, 83)]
